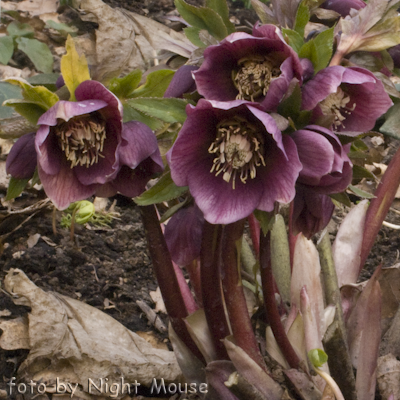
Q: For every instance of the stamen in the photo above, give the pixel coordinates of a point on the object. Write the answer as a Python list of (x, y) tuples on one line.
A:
[(238, 148), (82, 139), (254, 76)]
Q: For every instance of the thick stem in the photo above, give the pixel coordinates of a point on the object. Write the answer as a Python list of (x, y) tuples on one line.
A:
[(193, 270), (234, 296), (190, 302), (380, 205), (271, 307), (211, 290), (166, 278), (254, 227)]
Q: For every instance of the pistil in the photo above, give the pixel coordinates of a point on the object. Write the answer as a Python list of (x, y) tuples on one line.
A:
[(254, 76), (82, 139), (239, 149)]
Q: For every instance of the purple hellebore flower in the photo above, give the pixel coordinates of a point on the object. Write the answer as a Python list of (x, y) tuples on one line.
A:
[(353, 97), (83, 145), (21, 161), (326, 166), (343, 7), (234, 159), (311, 211), (257, 67), (182, 82), (183, 234)]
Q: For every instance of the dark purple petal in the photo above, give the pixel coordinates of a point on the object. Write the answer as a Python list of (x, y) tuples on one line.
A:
[(183, 234), (63, 188), (395, 54), (343, 7), (311, 211), (182, 82), (49, 154), (22, 160)]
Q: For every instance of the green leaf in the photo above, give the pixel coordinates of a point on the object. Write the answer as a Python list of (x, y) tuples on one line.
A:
[(302, 18), (317, 357), (46, 80), (266, 220), (360, 193), (391, 126), (64, 29), (293, 38), (130, 114), (7, 92), (38, 52), (169, 109), (74, 68), (15, 187), (156, 84), (123, 87), (6, 49), (319, 49), (361, 172), (164, 190), (341, 198), (193, 35), (221, 8), (202, 18), (31, 112), (17, 29)]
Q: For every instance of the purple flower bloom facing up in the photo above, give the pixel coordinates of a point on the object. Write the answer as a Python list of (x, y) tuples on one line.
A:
[(343, 7), (256, 67), (83, 145), (311, 211), (234, 159), (326, 166), (21, 161), (183, 234), (353, 98)]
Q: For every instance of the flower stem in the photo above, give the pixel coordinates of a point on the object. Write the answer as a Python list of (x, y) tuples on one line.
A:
[(271, 307), (329, 380), (380, 205), (166, 277), (211, 291), (234, 296), (254, 226)]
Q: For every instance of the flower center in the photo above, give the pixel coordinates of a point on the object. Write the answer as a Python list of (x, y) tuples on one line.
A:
[(253, 77), (82, 139), (239, 149), (336, 104)]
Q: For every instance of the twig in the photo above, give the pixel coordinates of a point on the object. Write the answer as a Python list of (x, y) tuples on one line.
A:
[(152, 316)]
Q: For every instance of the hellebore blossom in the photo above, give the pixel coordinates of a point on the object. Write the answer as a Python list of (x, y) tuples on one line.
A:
[(234, 159), (182, 82), (352, 97), (343, 7), (21, 161), (84, 149), (257, 67)]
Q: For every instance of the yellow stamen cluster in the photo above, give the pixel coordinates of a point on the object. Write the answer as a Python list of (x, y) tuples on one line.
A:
[(254, 76), (82, 139), (239, 149), (336, 104)]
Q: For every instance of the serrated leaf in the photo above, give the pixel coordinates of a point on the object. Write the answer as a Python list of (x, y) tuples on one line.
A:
[(221, 8), (360, 193), (38, 95), (17, 29), (293, 38), (302, 18), (317, 357), (38, 52), (6, 49), (202, 18), (123, 87), (319, 49), (193, 35), (130, 114), (8, 91), (74, 68), (15, 188), (164, 190), (156, 84), (169, 109), (391, 126)]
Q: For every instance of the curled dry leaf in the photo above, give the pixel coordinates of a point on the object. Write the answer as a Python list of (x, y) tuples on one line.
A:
[(388, 376), (76, 342)]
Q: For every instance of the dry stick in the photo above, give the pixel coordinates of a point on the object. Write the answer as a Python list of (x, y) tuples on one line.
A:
[(335, 341), (271, 307), (380, 205), (166, 277), (234, 296), (211, 291)]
